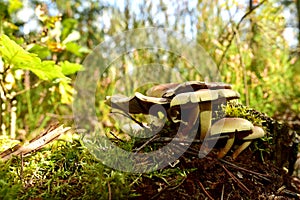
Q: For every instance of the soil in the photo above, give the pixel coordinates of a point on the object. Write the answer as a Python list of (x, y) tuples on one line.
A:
[(248, 177)]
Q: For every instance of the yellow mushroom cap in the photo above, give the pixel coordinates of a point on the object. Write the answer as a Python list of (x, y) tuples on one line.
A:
[(228, 94), (194, 97), (257, 132), (203, 95), (231, 125)]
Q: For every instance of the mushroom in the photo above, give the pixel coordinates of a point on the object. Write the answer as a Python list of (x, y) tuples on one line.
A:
[(235, 127), (169, 90), (257, 132), (137, 104), (192, 86), (160, 90), (140, 104), (205, 98)]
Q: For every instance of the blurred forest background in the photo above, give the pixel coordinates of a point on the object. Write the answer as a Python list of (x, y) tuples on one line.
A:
[(255, 45)]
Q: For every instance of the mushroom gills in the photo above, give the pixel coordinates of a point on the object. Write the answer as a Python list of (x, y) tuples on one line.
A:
[(136, 104)]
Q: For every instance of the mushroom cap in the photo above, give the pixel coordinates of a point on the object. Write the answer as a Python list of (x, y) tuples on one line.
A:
[(231, 125), (137, 104), (192, 86), (228, 94), (160, 90), (194, 97), (257, 132), (204, 95)]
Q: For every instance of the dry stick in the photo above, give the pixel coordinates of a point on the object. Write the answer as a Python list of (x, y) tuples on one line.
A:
[(116, 137), (240, 184), (234, 32), (146, 143), (222, 195), (179, 184), (259, 175), (129, 116), (169, 139), (36, 143), (168, 187), (204, 190), (27, 89), (109, 190)]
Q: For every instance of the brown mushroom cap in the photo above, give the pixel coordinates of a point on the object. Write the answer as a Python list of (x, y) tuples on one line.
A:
[(160, 90), (192, 86), (136, 104)]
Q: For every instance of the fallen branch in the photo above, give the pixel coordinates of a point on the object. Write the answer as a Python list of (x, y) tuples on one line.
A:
[(35, 144)]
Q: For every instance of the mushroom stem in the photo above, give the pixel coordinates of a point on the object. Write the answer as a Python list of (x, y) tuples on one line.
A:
[(227, 147), (189, 116), (257, 132), (240, 149), (205, 118)]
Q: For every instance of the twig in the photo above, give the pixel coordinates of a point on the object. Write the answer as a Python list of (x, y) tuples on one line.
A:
[(116, 137), (237, 28), (240, 184), (146, 143), (222, 195), (175, 187), (168, 187), (35, 144), (109, 190), (129, 116), (27, 89), (178, 140), (259, 175), (204, 190)]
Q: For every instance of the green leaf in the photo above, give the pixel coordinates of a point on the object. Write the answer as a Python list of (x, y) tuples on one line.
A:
[(69, 25), (14, 5), (74, 48), (70, 68), (18, 58), (66, 91), (48, 71), (15, 55), (41, 51)]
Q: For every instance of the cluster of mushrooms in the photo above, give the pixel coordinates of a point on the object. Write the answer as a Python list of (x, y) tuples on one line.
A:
[(197, 100)]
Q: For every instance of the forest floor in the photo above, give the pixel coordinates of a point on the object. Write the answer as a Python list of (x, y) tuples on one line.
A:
[(248, 177), (251, 176)]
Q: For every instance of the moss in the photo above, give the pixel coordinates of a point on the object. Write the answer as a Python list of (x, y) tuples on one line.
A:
[(62, 170)]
